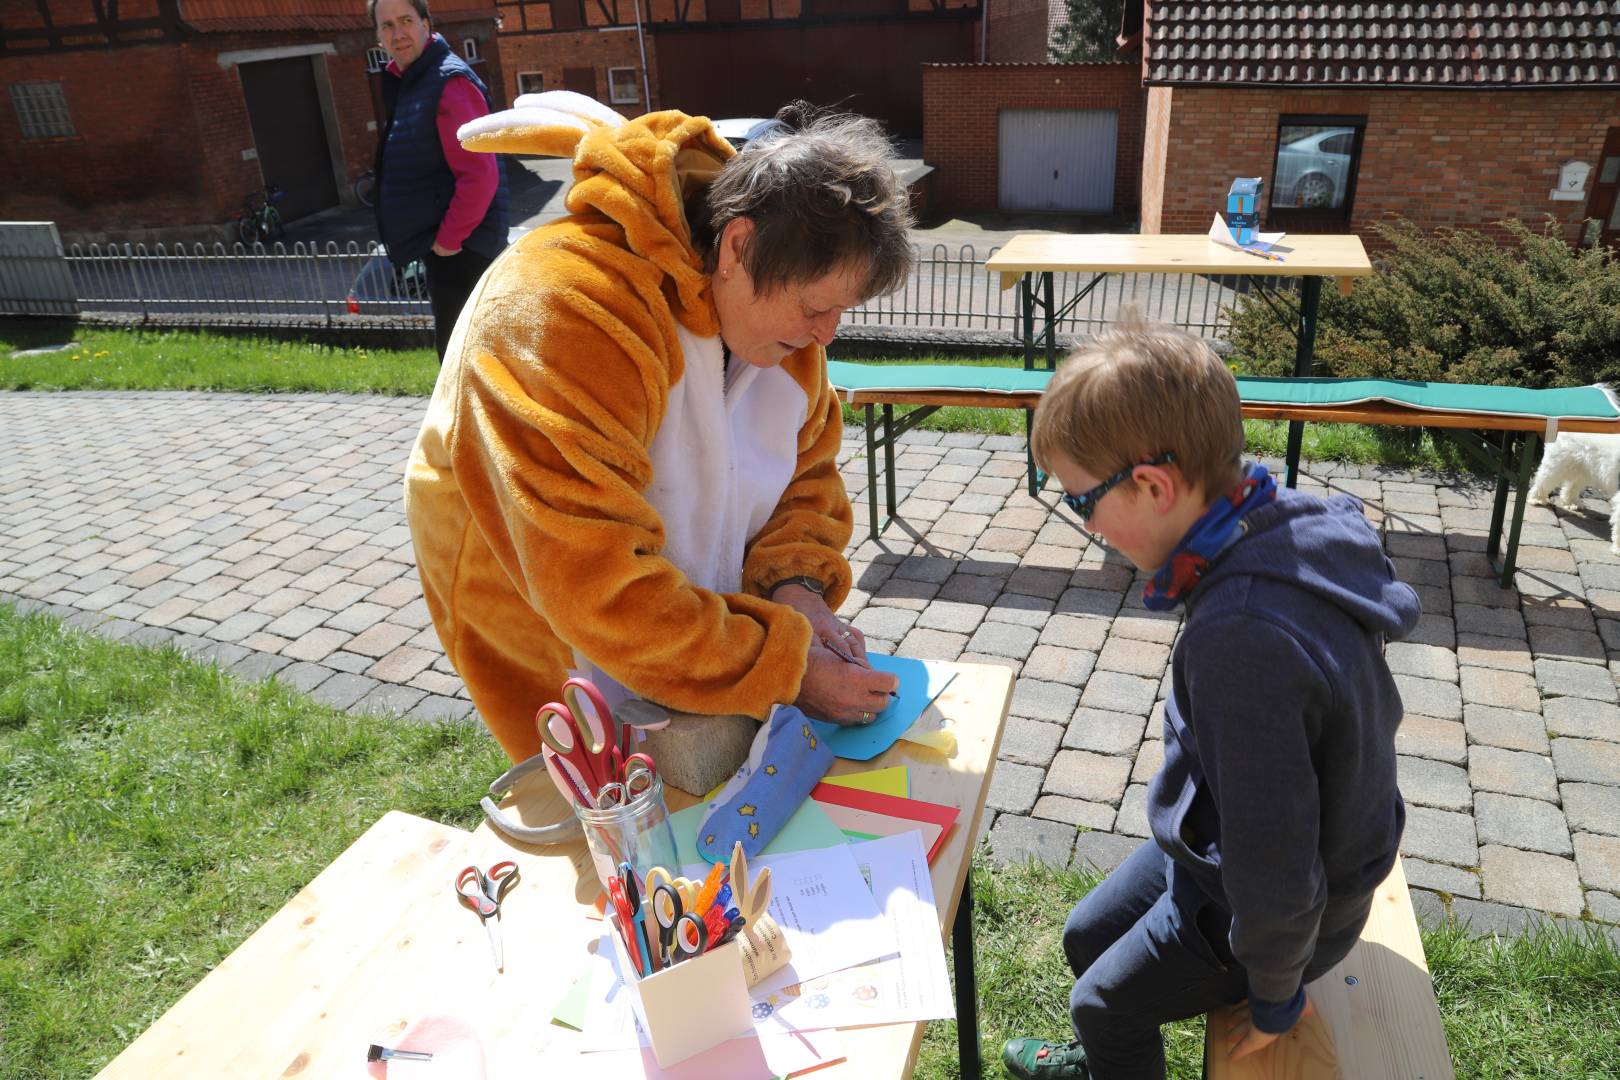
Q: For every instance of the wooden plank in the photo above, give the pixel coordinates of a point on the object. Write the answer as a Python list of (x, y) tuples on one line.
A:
[(1376, 1017), (1307, 255), (285, 975), (378, 940)]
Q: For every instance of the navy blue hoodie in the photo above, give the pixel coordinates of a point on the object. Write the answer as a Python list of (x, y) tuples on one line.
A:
[(1277, 798)]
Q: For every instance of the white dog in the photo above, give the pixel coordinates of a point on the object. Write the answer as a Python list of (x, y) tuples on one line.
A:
[(1574, 462)]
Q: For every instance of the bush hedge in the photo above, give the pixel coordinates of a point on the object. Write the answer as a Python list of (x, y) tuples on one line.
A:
[(1457, 306)]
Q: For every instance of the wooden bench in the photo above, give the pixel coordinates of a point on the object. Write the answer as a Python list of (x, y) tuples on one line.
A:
[(1375, 1018), (1499, 427)]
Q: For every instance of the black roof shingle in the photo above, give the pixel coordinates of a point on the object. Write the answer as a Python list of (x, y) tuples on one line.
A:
[(1520, 45)]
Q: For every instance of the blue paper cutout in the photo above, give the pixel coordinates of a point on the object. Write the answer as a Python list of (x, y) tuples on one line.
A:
[(920, 684)]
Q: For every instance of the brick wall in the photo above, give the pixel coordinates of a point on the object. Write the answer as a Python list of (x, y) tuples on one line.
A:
[(170, 155), (1019, 31), (121, 165), (549, 54), (961, 107), (1452, 158)]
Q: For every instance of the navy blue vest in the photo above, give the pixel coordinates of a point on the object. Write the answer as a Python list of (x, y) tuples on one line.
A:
[(414, 183)]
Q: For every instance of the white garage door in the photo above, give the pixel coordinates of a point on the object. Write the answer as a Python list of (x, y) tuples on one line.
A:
[(1058, 159)]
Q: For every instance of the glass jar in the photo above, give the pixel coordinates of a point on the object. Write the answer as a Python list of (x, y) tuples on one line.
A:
[(638, 833)]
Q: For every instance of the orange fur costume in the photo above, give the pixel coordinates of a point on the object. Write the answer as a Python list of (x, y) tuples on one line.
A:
[(527, 490)]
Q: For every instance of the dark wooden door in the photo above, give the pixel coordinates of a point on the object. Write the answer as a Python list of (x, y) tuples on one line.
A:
[(289, 133), (1604, 202), (581, 80)]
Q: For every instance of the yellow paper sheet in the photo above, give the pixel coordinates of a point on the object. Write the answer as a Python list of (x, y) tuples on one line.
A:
[(895, 780)]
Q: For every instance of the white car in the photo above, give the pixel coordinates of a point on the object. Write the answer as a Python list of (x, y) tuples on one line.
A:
[(1314, 171), (736, 129)]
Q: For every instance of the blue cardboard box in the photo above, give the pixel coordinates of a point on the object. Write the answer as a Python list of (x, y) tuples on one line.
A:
[(1243, 208)]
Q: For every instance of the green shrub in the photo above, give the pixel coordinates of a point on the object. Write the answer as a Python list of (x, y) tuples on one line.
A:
[(1458, 306)]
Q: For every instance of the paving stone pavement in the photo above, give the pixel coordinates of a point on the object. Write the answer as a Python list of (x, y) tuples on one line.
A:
[(265, 533)]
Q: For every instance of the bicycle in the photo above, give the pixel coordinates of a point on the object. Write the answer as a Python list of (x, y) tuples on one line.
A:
[(365, 188), (259, 220)]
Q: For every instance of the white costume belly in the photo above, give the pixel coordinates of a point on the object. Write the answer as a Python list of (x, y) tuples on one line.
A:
[(724, 454)]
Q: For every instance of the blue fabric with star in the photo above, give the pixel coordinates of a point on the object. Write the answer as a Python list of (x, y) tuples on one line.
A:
[(788, 758)]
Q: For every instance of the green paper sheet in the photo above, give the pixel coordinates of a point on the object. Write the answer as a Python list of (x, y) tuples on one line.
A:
[(808, 828), (570, 1011)]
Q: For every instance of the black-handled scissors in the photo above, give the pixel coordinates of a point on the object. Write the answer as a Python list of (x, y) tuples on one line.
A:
[(482, 891), (681, 934)]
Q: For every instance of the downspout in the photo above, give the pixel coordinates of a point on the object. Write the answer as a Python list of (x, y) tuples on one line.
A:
[(646, 86), (984, 31)]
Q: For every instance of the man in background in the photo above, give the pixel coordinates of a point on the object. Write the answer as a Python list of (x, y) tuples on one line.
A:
[(435, 201)]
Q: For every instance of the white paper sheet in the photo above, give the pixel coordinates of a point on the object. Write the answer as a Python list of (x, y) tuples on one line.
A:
[(1222, 235), (824, 906), (906, 988)]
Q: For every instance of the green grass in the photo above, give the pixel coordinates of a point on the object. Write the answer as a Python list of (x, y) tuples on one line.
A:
[(186, 360), (183, 360), (154, 812), (1545, 1006)]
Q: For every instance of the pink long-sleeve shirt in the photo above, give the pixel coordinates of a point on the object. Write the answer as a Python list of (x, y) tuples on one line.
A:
[(477, 175)]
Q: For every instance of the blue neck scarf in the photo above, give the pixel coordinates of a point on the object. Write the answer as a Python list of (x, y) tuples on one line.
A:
[(1217, 529)]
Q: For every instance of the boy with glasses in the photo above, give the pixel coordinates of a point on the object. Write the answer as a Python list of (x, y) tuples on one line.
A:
[(1275, 815)]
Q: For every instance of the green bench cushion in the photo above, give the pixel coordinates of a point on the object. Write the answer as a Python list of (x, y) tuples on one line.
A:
[(846, 376), (1564, 403)]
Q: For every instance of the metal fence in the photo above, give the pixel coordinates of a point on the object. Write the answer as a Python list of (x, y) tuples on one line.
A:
[(329, 285), (309, 282), (955, 291)]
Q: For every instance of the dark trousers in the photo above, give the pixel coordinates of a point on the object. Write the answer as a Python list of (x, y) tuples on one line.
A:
[(450, 280), (1141, 960)]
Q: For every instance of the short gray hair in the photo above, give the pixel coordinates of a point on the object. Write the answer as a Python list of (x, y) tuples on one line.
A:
[(821, 191), (420, 6)]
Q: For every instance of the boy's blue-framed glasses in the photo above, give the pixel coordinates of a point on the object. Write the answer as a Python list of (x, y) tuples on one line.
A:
[(1085, 503)]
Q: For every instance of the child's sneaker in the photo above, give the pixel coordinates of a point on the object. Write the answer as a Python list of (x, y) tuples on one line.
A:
[(1036, 1059)]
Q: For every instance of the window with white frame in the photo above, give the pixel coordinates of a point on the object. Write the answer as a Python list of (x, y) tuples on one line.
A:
[(42, 110), (531, 82), (469, 49), (623, 86), (376, 60)]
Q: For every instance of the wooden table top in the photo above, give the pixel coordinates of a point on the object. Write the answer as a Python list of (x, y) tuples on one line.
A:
[(1340, 256), (378, 940)]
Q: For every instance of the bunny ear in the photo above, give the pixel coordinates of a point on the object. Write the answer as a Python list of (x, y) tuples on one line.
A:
[(524, 131), (739, 873), (551, 124), (574, 104)]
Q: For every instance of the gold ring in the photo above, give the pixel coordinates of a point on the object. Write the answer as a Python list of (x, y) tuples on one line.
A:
[(847, 632)]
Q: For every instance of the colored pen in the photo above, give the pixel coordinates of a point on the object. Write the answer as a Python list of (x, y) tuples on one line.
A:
[(711, 887), (849, 658), (731, 931), (1262, 254)]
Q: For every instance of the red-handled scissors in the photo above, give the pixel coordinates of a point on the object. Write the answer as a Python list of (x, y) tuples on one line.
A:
[(482, 891), (589, 745), (629, 921), (634, 780)]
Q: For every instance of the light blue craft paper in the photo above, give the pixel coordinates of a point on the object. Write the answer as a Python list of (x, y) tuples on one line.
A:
[(920, 683), (808, 828)]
